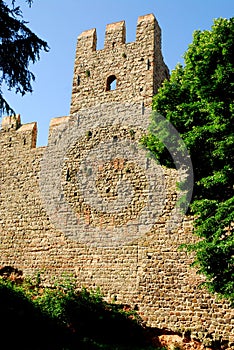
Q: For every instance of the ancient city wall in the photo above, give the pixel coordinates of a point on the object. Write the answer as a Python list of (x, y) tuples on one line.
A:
[(68, 207), (146, 271)]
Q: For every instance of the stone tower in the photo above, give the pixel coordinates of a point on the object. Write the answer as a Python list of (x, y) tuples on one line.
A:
[(121, 72)]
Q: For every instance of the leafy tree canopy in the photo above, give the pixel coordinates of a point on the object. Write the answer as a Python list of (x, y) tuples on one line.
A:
[(19, 47), (198, 101)]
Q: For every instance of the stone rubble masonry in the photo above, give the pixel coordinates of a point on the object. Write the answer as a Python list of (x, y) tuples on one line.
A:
[(150, 273), (138, 66)]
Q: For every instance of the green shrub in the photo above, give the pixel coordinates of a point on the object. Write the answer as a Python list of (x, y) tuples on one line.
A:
[(61, 317)]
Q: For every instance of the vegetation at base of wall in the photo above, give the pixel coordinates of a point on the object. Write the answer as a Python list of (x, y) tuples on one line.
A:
[(60, 317), (198, 101)]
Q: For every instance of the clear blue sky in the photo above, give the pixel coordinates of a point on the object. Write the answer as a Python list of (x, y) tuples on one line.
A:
[(59, 22)]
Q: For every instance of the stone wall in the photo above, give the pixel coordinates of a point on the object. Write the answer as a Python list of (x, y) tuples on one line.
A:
[(92, 203), (144, 269), (138, 66)]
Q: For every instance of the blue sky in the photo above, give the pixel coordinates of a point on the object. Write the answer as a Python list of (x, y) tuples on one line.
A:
[(59, 22)]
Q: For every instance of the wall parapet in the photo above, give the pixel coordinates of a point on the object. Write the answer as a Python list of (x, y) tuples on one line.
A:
[(115, 35), (87, 41), (138, 66), (13, 134), (11, 122)]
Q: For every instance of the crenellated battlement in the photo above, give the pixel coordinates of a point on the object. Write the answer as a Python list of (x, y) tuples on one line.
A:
[(11, 122), (147, 26), (87, 41), (121, 72), (115, 35), (14, 135)]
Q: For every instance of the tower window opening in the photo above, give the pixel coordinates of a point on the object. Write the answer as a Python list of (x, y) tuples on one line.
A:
[(111, 83)]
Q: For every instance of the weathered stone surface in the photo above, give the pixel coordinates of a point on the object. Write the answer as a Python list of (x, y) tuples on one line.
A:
[(138, 66), (147, 272)]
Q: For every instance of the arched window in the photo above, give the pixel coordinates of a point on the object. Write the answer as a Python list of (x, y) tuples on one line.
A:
[(111, 83)]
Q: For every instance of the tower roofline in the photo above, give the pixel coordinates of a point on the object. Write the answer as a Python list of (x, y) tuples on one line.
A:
[(138, 66)]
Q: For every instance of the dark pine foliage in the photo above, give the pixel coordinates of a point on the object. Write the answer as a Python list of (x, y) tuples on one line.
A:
[(19, 47)]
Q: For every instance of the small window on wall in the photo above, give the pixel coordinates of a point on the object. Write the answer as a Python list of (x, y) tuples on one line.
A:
[(111, 83), (78, 80)]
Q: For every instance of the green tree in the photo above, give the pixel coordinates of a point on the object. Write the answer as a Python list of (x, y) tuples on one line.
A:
[(198, 101), (19, 46)]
